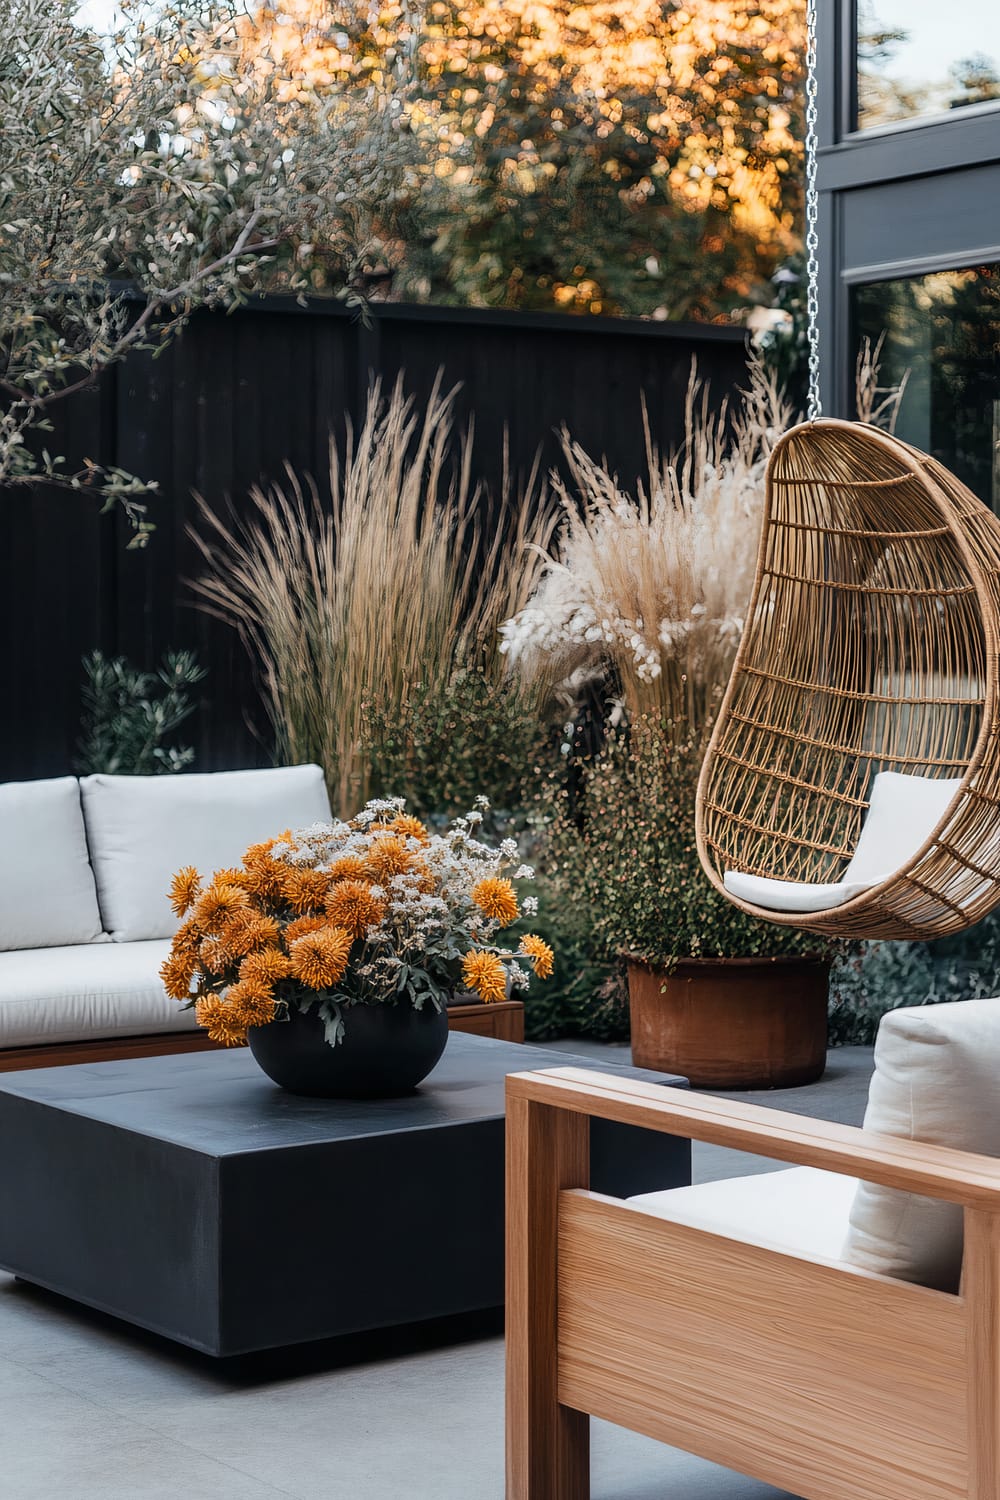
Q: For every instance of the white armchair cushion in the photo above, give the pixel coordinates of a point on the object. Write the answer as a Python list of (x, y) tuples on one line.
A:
[(935, 1080), (47, 892), (902, 814), (144, 828), (80, 994), (801, 1211)]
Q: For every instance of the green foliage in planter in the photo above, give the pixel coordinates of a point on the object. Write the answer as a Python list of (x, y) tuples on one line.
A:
[(879, 977), (445, 745), (587, 994), (624, 842), (127, 715)]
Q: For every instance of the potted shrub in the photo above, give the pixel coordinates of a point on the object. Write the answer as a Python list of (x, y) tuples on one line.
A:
[(642, 605), (726, 1000), (334, 951)]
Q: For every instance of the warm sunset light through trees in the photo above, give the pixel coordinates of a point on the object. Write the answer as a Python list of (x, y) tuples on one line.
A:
[(615, 156)]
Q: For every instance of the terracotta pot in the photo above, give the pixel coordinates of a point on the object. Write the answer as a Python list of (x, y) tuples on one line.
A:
[(736, 1023)]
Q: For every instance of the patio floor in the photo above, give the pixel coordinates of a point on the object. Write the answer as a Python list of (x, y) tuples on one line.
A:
[(93, 1410)]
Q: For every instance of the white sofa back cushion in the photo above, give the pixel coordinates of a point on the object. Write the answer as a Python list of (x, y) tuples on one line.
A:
[(47, 893), (935, 1081), (144, 828)]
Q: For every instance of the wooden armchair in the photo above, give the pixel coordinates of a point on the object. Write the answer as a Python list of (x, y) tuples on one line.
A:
[(830, 1381)]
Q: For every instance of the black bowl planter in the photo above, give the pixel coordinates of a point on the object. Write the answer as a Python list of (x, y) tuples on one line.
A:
[(386, 1050)]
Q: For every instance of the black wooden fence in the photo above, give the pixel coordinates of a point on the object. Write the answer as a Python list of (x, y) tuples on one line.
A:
[(226, 407)]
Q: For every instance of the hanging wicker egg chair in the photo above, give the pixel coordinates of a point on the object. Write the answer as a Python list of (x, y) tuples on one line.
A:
[(870, 645)]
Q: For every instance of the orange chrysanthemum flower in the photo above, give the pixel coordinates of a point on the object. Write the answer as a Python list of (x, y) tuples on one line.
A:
[(352, 905), (249, 989), (248, 930), (218, 903), (265, 967), (253, 1004), (484, 973), (184, 890), (388, 856), (303, 925), (349, 867), (177, 973), (212, 956), (320, 958), (305, 890), (541, 955), (222, 1022), (256, 1010), (263, 875), (258, 852), (186, 940), (496, 899), (408, 827)]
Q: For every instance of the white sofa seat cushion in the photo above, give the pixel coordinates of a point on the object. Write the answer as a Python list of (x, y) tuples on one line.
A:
[(47, 892), (82, 993), (935, 1081), (142, 829), (902, 814), (801, 1211)]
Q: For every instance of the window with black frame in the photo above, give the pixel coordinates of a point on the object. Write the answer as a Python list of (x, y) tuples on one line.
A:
[(942, 335), (916, 58)]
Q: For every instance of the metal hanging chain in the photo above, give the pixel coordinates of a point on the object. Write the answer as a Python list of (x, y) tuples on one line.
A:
[(814, 408)]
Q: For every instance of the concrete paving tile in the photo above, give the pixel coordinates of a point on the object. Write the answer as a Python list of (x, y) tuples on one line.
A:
[(59, 1444), (427, 1426), (17, 1380)]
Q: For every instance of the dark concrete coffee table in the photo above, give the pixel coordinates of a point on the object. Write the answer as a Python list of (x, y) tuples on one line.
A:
[(191, 1196)]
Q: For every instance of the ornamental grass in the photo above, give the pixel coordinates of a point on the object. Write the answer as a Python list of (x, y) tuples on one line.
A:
[(374, 910), (646, 590), (375, 619)]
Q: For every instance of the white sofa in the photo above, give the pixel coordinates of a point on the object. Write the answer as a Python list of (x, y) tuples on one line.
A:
[(84, 918)]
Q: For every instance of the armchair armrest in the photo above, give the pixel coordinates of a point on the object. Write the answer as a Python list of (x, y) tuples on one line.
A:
[(912, 1166)]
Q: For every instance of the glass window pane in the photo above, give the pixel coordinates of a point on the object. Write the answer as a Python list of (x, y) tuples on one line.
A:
[(916, 57), (942, 333)]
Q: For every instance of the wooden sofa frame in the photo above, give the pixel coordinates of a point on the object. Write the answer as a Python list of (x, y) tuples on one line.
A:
[(503, 1020), (830, 1382)]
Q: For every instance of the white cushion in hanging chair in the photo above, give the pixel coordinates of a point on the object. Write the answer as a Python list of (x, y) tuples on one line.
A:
[(902, 814), (792, 895)]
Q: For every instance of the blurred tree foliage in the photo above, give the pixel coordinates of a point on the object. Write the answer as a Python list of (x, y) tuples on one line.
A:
[(153, 169), (617, 156)]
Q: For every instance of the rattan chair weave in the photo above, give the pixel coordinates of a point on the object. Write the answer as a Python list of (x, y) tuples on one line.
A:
[(870, 644)]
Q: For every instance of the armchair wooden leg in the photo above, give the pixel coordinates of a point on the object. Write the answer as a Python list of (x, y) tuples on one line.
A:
[(981, 1290), (548, 1445)]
